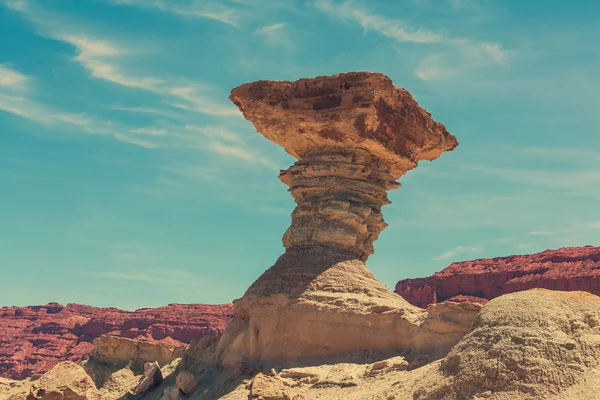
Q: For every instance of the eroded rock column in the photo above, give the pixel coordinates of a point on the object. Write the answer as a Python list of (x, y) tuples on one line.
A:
[(340, 192), (354, 135)]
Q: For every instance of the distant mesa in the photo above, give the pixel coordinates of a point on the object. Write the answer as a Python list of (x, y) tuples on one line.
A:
[(566, 269), (34, 339)]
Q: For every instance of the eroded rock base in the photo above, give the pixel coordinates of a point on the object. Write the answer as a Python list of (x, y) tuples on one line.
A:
[(320, 305)]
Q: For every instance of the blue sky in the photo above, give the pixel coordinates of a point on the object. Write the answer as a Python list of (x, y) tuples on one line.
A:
[(128, 179)]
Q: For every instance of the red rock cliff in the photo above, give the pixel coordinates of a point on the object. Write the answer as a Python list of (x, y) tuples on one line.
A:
[(564, 269), (34, 339)]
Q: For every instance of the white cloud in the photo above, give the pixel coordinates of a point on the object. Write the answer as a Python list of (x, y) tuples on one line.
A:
[(460, 56), (161, 276), (216, 132), (391, 28), (26, 108), (10, 78), (458, 250), (541, 233), (110, 62), (275, 35), (239, 152), (578, 182), (190, 8)]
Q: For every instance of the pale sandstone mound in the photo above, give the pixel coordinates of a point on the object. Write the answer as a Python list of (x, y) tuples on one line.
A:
[(354, 135), (532, 344), (568, 269), (66, 381)]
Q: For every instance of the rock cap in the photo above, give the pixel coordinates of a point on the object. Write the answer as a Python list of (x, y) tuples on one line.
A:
[(355, 109)]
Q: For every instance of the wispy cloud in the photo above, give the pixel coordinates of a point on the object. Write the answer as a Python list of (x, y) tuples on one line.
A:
[(190, 8), (392, 28), (162, 276), (216, 132), (458, 250), (11, 79), (275, 35), (460, 55), (37, 112), (106, 60), (581, 182), (541, 233), (241, 153)]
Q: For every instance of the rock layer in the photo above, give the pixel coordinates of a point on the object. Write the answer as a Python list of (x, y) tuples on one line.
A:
[(565, 269), (36, 338), (354, 135)]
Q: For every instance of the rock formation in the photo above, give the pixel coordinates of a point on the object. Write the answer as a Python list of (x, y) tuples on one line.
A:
[(151, 378), (532, 344), (551, 351), (564, 269), (66, 381), (36, 338), (117, 351), (354, 134)]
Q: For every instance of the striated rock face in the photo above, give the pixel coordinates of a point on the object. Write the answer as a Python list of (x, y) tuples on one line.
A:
[(36, 338), (354, 135), (564, 269)]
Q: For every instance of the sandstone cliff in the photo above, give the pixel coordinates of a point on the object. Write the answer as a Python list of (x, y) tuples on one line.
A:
[(564, 269), (33, 339)]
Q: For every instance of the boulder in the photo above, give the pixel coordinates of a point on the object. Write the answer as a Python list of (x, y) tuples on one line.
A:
[(186, 381), (265, 387), (172, 393), (151, 378), (66, 381)]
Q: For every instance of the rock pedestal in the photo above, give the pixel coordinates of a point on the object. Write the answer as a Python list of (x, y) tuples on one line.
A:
[(354, 134)]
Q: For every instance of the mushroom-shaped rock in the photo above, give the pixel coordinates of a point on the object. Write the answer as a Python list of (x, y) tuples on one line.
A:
[(353, 110), (354, 134)]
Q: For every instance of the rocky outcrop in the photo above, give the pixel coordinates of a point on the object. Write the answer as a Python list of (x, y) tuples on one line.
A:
[(354, 135), (186, 382), (114, 350), (565, 269), (36, 338), (265, 387), (151, 378), (66, 381), (531, 344)]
